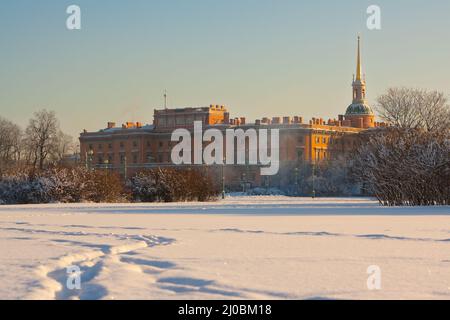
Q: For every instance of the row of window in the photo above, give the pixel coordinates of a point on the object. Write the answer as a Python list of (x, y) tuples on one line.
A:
[(135, 144), (135, 159), (332, 141), (179, 121)]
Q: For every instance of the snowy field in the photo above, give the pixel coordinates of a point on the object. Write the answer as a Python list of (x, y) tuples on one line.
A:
[(239, 248)]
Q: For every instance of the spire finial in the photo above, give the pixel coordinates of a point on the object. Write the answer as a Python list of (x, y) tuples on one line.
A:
[(358, 63), (165, 99)]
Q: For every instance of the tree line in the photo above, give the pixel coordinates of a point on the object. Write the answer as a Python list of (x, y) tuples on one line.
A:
[(40, 144)]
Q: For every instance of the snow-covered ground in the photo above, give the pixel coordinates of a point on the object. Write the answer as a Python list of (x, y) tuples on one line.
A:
[(239, 248)]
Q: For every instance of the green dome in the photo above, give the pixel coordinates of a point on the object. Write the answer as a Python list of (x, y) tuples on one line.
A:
[(359, 109)]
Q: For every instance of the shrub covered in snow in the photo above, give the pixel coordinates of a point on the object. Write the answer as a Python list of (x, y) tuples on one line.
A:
[(406, 166), (265, 192), (326, 178), (65, 185), (169, 185)]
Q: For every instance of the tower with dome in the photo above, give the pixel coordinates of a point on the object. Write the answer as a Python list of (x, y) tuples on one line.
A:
[(359, 112)]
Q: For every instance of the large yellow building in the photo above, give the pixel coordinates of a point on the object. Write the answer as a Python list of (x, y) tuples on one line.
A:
[(133, 146)]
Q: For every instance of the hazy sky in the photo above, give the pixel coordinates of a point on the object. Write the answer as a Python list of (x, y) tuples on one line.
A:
[(258, 57)]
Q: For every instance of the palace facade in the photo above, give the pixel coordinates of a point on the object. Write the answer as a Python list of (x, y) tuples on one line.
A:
[(132, 147)]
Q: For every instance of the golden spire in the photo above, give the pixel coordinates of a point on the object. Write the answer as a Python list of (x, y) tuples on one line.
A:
[(358, 64)]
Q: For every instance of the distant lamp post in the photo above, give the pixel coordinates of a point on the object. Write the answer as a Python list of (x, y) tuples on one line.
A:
[(296, 180), (243, 182), (89, 155), (223, 178), (125, 167), (106, 162), (313, 180)]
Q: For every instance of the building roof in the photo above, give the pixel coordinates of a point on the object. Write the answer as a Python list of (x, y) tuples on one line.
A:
[(362, 109)]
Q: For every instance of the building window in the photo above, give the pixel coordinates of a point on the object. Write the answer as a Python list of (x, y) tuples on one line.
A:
[(300, 154), (324, 140), (122, 158), (135, 158), (301, 139), (180, 121), (122, 144), (162, 122), (160, 158), (91, 147), (135, 144)]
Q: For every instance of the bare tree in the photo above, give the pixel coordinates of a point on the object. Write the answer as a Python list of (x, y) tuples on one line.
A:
[(10, 137), (65, 146), (408, 108), (42, 137), (434, 110)]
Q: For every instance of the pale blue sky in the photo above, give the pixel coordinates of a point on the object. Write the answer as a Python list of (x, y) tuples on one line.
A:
[(258, 57)]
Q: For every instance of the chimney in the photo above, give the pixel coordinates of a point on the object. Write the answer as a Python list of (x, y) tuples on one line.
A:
[(111, 125), (242, 120), (286, 120)]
